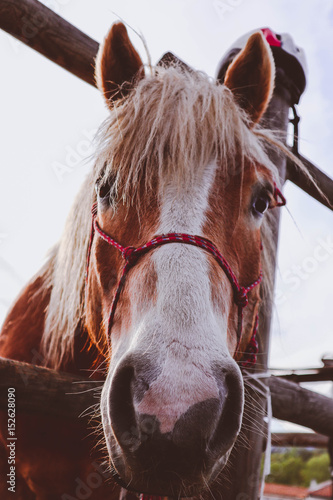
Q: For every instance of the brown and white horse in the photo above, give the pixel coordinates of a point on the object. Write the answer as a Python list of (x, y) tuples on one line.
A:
[(179, 153)]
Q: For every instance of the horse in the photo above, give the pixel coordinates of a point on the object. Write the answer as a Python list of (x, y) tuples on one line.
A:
[(155, 284)]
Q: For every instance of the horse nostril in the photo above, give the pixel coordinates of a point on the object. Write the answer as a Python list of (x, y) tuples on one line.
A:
[(229, 423), (129, 383), (122, 413)]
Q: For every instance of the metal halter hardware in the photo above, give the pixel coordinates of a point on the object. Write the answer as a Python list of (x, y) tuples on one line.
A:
[(132, 254)]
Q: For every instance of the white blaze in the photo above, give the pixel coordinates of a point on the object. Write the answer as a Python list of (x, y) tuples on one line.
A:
[(190, 335)]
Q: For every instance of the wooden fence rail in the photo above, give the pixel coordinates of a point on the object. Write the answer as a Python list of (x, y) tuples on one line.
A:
[(44, 391), (58, 40), (301, 406), (299, 440), (322, 180)]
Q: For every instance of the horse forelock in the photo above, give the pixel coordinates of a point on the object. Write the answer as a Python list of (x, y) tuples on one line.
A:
[(171, 126)]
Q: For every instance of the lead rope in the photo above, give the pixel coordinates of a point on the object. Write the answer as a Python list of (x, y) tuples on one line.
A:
[(250, 356)]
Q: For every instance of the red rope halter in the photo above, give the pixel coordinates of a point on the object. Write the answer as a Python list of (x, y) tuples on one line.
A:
[(132, 254)]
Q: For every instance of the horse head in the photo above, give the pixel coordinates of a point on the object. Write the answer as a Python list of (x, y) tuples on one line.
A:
[(178, 155)]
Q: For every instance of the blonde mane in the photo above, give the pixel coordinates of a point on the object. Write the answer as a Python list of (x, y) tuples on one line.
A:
[(172, 124)]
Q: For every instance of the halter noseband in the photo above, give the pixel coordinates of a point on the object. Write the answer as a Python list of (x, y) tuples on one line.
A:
[(132, 254)]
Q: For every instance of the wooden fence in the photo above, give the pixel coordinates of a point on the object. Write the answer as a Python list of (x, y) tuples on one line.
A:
[(45, 391)]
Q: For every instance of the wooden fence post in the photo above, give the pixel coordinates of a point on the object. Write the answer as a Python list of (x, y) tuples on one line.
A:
[(243, 478)]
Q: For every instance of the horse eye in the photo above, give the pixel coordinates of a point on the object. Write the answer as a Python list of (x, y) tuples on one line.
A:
[(260, 205), (102, 191)]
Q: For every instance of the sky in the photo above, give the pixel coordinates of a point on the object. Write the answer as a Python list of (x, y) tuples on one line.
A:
[(48, 119)]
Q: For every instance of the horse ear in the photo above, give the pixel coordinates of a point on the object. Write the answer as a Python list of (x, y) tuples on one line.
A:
[(251, 75), (118, 65)]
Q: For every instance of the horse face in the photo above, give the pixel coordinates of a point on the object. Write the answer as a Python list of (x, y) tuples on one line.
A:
[(172, 402)]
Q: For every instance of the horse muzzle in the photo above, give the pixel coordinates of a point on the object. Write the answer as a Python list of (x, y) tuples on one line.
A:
[(163, 441)]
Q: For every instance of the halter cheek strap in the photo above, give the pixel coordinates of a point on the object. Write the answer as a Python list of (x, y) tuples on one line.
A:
[(132, 254)]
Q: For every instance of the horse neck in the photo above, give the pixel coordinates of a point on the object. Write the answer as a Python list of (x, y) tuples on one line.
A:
[(23, 330)]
